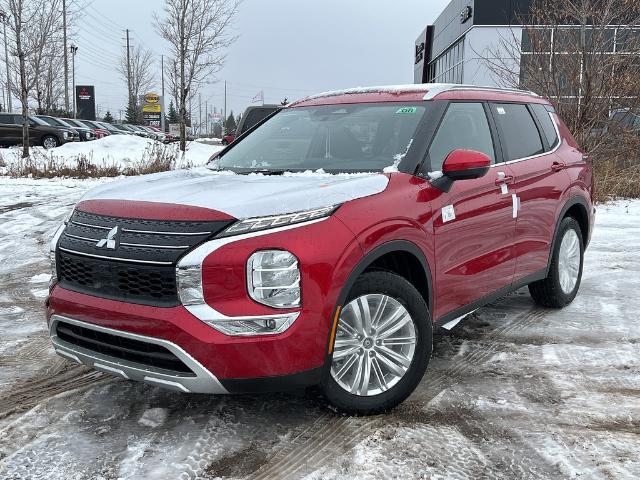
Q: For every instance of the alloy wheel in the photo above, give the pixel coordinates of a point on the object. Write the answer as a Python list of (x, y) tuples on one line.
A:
[(569, 261), (49, 142), (374, 345)]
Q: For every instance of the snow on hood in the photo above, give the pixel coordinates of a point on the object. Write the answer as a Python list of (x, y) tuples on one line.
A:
[(243, 196)]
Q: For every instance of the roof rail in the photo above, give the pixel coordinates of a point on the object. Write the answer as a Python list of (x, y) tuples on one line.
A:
[(438, 88)]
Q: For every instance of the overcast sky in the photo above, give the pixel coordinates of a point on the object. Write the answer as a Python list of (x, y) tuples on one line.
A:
[(288, 48)]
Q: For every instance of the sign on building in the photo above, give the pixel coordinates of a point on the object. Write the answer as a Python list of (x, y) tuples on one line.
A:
[(85, 102)]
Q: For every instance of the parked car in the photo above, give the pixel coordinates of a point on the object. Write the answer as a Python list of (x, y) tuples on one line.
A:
[(40, 133), (155, 134), (85, 134), (98, 131), (251, 117), (219, 283), (133, 129), (113, 129)]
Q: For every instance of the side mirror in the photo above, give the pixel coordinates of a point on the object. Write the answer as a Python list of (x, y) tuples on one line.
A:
[(462, 165)]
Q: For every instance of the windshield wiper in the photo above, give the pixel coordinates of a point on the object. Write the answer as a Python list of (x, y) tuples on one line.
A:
[(264, 171)]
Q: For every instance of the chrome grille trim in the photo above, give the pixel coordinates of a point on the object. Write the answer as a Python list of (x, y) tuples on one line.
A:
[(142, 245), (147, 232), (129, 260)]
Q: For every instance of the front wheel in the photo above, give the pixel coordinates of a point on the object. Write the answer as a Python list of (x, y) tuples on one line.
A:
[(382, 345), (565, 272), (49, 141)]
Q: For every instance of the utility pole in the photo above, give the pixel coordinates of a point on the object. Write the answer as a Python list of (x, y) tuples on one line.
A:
[(206, 117), (162, 115), (66, 60), (199, 113), (224, 120), (4, 18), (129, 70), (74, 49)]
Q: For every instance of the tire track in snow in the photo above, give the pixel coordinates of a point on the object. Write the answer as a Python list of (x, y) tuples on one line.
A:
[(330, 437), (49, 382)]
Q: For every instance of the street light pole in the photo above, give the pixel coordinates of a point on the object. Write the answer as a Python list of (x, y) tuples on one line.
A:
[(74, 49), (4, 18)]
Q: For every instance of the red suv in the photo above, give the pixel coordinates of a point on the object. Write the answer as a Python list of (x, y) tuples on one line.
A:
[(325, 246)]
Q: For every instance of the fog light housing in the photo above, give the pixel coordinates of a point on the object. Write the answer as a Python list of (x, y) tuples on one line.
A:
[(248, 326), (273, 278)]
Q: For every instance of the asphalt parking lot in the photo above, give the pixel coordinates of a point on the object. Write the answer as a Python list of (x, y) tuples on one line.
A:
[(516, 391)]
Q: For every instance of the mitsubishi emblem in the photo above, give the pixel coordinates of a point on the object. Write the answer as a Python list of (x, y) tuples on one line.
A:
[(112, 240)]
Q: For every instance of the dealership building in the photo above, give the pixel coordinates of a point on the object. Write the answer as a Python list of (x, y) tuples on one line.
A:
[(469, 35)]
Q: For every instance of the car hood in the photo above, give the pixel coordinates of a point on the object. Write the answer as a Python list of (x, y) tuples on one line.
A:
[(243, 196)]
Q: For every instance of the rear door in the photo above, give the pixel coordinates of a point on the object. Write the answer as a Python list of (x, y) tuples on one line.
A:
[(474, 228), (530, 139), (10, 131)]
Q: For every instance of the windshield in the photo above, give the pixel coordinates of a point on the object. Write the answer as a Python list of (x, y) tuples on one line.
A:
[(38, 121), (334, 138)]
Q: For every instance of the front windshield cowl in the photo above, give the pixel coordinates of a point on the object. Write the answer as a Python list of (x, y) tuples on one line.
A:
[(352, 138)]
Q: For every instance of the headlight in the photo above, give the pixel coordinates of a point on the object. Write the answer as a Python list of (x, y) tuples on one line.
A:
[(87, 135), (189, 279), (264, 223), (273, 278)]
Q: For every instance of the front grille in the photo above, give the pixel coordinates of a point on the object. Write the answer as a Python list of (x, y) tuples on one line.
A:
[(135, 351), (141, 267)]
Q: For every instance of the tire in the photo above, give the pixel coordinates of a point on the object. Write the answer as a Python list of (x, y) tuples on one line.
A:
[(225, 143), (372, 289), (557, 290), (50, 141)]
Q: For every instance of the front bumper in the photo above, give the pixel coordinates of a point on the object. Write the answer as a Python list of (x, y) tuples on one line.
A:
[(198, 380)]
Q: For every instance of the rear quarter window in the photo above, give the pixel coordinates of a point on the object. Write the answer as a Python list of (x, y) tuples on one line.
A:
[(548, 127), (519, 133)]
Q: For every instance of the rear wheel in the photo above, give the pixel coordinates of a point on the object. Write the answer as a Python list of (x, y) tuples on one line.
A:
[(49, 141), (565, 273), (382, 345)]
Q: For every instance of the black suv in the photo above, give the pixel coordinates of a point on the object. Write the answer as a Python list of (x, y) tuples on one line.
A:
[(40, 133), (83, 134)]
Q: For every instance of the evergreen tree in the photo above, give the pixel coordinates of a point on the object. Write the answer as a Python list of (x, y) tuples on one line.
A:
[(230, 124), (172, 117), (133, 114), (108, 117)]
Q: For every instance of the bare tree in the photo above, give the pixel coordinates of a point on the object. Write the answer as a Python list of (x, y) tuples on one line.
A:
[(198, 32), (141, 68), (31, 24), (582, 54)]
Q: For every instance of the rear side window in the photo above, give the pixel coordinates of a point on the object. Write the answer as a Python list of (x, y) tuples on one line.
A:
[(8, 120), (256, 116), (519, 132), (548, 128), (465, 126)]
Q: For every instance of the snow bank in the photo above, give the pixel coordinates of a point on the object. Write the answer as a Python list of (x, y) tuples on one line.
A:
[(120, 151)]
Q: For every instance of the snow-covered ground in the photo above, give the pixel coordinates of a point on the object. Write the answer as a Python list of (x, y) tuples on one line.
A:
[(516, 391), (121, 151)]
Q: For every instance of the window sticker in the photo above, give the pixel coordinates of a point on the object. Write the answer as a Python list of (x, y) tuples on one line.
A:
[(407, 110), (501, 111)]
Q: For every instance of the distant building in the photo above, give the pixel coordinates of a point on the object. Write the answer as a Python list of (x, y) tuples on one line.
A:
[(455, 48)]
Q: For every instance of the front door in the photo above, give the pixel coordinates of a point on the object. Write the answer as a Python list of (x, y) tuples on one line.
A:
[(474, 224)]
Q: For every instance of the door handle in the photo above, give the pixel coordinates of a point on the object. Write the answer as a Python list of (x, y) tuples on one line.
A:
[(557, 166), (504, 179)]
